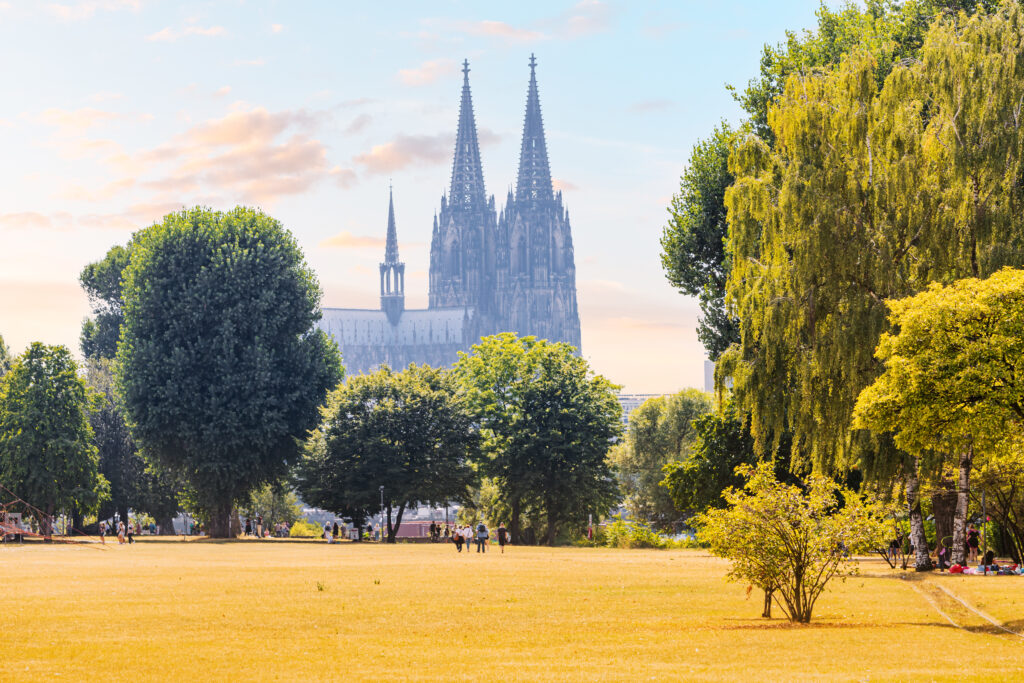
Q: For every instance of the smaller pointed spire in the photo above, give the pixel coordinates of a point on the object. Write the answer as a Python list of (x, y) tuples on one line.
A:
[(534, 181), (391, 247)]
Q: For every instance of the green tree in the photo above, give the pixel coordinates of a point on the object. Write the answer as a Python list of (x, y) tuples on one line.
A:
[(5, 357), (119, 461), (721, 443), (219, 369), (548, 423), (102, 284), (47, 457), (661, 431), (407, 431), (276, 503), (792, 541), (950, 384), (693, 243), (868, 194)]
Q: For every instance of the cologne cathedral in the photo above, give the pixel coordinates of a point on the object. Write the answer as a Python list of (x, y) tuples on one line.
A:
[(491, 271)]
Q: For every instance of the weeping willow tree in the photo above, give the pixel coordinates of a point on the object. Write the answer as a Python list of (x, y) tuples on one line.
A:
[(870, 192)]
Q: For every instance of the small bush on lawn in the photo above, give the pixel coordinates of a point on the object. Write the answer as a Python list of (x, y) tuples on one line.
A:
[(622, 534), (303, 528)]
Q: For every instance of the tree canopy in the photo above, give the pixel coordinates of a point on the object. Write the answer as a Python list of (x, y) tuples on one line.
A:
[(662, 430), (5, 357), (407, 431), (219, 368), (102, 284), (47, 456), (693, 243), (548, 423)]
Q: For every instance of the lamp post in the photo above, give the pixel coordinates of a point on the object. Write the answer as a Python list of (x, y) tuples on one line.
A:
[(381, 514)]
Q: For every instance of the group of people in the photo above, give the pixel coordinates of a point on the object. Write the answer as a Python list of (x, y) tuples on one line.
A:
[(467, 535), (125, 532)]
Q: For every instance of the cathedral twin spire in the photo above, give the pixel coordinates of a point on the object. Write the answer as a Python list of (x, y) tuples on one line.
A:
[(534, 181), (467, 170)]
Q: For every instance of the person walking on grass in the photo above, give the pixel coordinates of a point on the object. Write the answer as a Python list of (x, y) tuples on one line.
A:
[(481, 538), (259, 526), (502, 536), (130, 531), (335, 531), (467, 535), (457, 537), (120, 533), (103, 532), (248, 526)]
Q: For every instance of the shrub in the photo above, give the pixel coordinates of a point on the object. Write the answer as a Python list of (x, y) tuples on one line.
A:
[(622, 534), (303, 528)]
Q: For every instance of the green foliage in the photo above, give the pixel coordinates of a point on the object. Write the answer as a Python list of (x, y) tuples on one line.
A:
[(47, 456), (303, 528), (547, 423), (693, 242), (889, 30), (661, 431), (623, 534), (219, 369), (5, 357), (792, 542), (722, 442), (275, 503), (951, 367), (102, 284), (119, 461), (868, 194), (410, 432)]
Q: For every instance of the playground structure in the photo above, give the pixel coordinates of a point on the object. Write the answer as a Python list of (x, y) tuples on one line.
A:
[(14, 528)]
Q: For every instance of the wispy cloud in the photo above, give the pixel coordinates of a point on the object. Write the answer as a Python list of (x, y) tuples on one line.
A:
[(32, 220), (584, 18), (357, 124), (169, 35), (501, 30), (346, 240), (415, 150), (427, 72), (258, 61)]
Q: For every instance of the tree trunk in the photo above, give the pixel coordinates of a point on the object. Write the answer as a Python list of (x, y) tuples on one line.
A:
[(234, 523), (767, 611), (76, 521), (46, 523), (220, 521), (922, 562), (393, 532), (963, 490), (165, 526), (552, 525), (513, 524), (944, 509)]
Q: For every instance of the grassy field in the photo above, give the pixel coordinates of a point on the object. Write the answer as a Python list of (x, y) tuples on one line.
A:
[(282, 610)]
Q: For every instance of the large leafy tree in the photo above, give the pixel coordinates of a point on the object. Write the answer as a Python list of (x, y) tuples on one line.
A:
[(409, 432), (134, 483), (791, 540), (219, 367), (693, 243), (47, 456), (951, 383), (102, 284), (662, 430), (869, 194), (548, 424)]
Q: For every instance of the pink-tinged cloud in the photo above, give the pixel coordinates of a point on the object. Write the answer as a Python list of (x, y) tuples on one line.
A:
[(587, 17), (415, 150), (254, 127), (502, 30), (258, 61), (357, 124), (108, 191), (563, 185), (276, 28), (169, 35), (26, 220), (134, 217), (72, 122), (346, 240), (343, 177), (428, 72)]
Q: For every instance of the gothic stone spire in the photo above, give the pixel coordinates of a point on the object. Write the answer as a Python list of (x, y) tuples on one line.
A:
[(391, 248), (534, 182), (467, 170), (392, 271)]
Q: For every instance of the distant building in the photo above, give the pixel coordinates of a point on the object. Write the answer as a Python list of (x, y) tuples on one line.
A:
[(709, 376), (631, 402), (490, 271)]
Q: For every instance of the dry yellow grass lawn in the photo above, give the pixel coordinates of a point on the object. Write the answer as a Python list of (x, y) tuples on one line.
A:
[(200, 610)]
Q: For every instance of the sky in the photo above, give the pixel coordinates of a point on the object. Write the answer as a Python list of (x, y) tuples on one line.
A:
[(116, 112)]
